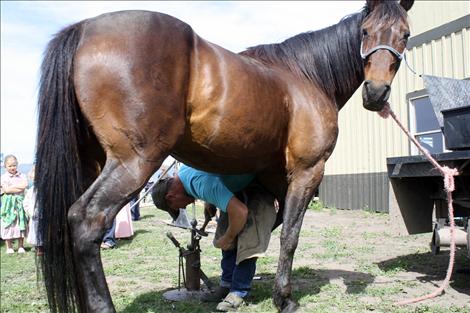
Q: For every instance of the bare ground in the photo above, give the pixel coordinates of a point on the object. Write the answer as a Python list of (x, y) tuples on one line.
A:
[(357, 250), (346, 261)]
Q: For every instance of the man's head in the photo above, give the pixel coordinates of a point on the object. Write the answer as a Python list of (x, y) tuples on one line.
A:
[(169, 195)]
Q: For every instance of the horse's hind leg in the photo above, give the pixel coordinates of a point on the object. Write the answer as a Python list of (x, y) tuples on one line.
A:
[(95, 211), (300, 191)]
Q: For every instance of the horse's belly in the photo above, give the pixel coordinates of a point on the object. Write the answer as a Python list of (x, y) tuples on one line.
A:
[(230, 149)]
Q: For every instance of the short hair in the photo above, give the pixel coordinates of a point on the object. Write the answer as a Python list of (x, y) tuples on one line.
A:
[(10, 156), (158, 193)]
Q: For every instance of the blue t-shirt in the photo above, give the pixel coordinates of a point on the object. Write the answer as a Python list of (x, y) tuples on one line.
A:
[(216, 189)]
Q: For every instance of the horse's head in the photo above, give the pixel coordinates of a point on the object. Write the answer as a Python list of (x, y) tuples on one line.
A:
[(385, 32)]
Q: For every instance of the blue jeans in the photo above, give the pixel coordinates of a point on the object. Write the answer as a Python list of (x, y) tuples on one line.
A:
[(237, 277), (135, 211), (109, 237)]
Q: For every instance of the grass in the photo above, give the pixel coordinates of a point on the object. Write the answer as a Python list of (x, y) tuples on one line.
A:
[(335, 269), (316, 205)]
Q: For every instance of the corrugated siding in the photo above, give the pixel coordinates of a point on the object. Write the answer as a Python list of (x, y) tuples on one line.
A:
[(426, 15), (354, 191), (365, 140)]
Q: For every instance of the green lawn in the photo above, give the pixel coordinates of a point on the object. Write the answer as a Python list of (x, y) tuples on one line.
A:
[(329, 275)]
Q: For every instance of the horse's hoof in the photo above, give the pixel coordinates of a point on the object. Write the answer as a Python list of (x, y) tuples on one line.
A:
[(290, 306)]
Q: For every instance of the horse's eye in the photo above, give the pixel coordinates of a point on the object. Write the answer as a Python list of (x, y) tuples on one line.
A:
[(406, 36), (364, 32)]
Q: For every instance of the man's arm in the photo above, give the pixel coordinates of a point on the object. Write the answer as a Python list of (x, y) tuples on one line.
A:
[(237, 215)]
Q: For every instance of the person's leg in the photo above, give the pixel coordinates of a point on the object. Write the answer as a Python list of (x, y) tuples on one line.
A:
[(135, 210), (21, 245), (9, 246), (109, 239), (242, 277), (228, 265)]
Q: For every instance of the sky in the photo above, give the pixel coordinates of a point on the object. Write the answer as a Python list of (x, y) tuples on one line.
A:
[(27, 27)]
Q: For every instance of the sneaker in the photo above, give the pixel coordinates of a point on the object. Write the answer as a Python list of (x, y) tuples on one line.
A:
[(231, 303), (217, 295), (21, 250), (106, 246), (10, 251)]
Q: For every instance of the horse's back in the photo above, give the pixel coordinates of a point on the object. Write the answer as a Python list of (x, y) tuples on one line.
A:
[(148, 84)]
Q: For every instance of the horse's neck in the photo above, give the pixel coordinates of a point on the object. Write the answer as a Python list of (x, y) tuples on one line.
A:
[(343, 97), (329, 58), (340, 59), (353, 77)]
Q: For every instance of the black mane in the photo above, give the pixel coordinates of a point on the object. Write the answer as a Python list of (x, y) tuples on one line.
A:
[(328, 57)]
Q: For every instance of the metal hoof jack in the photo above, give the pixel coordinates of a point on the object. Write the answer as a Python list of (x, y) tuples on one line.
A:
[(192, 279)]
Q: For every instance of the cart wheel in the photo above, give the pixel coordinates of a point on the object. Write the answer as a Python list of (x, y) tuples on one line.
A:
[(435, 249)]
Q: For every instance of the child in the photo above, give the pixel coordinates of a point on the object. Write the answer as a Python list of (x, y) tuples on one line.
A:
[(29, 204), (13, 218)]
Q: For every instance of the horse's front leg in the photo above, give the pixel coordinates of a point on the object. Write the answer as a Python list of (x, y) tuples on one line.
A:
[(301, 189), (88, 219)]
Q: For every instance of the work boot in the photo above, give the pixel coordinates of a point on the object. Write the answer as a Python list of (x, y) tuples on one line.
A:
[(231, 303), (217, 295)]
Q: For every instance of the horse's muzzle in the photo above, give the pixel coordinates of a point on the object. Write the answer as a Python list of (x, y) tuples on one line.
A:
[(375, 95)]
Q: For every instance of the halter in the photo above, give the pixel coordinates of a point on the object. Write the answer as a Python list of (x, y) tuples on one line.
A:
[(398, 55), (395, 52)]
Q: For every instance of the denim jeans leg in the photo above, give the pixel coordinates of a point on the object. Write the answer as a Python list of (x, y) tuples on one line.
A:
[(109, 236), (227, 264), (242, 277), (135, 211)]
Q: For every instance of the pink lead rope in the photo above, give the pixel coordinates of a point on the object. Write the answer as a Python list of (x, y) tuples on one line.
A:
[(449, 186)]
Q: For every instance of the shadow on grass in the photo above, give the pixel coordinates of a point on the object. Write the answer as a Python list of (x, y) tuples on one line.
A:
[(306, 281), (144, 217), (433, 267), (127, 241), (155, 302)]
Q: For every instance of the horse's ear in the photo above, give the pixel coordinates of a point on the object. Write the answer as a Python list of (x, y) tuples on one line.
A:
[(371, 4), (407, 4)]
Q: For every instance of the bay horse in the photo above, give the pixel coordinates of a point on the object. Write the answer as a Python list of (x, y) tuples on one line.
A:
[(120, 92)]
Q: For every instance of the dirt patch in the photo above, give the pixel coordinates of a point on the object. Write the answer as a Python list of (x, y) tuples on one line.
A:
[(357, 252)]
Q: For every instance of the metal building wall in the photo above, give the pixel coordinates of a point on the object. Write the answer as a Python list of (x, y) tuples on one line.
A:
[(355, 176)]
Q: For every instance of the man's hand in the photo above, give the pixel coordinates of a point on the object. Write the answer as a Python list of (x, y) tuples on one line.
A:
[(224, 243), (237, 215)]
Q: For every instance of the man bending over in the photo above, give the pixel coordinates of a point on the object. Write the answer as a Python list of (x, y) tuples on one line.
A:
[(190, 184)]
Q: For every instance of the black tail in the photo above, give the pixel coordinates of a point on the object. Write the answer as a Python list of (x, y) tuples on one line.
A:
[(58, 167)]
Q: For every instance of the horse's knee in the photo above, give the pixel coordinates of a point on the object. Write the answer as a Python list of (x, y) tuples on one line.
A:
[(85, 236)]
